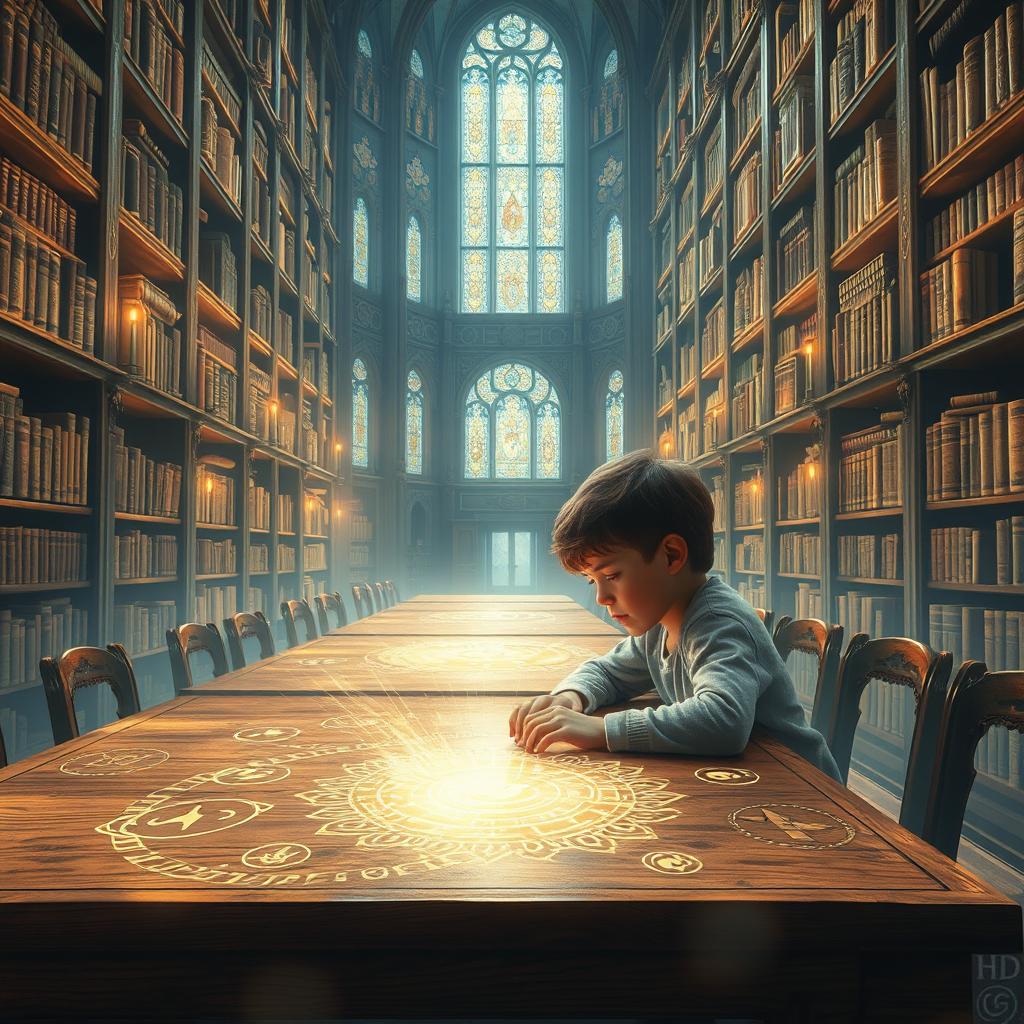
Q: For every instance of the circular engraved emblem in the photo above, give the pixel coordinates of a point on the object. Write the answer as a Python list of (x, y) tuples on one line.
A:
[(313, 662), (251, 775), (189, 818), (269, 735), (727, 776), (672, 862), (122, 761), (348, 722), (802, 828), (277, 855), (475, 654)]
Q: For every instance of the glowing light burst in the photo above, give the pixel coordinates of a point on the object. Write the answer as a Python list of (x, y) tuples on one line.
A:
[(491, 804)]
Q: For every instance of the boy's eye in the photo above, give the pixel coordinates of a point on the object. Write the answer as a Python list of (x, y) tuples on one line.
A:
[(614, 576)]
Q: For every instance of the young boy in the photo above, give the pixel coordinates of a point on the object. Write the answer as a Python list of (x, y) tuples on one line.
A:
[(641, 529)]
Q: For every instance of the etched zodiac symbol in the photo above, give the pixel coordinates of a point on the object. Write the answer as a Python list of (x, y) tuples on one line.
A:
[(114, 762), (672, 863), (277, 855), (252, 775), (267, 735), (727, 776), (192, 818), (798, 824)]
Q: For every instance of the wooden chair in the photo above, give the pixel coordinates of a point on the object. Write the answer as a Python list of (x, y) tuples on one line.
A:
[(360, 602), (897, 661), (784, 620), (380, 596), (191, 639), (392, 592), (977, 699), (245, 626), (766, 617), (78, 668), (812, 636), (330, 602), (298, 610), (3, 751), (386, 594)]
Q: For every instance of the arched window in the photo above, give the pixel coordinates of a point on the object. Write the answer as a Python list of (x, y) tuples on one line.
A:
[(363, 44), (413, 260), (611, 64), (613, 427), (613, 259), (360, 415), (512, 170), (513, 426), (361, 243), (413, 423), (416, 64)]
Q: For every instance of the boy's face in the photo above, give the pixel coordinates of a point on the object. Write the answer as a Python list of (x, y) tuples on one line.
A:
[(637, 593)]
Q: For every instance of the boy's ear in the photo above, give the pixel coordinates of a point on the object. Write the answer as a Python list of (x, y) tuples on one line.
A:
[(677, 552)]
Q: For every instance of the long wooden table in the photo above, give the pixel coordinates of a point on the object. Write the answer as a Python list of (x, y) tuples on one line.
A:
[(361, 858), (467, 619), (341, 663), (498, 599)]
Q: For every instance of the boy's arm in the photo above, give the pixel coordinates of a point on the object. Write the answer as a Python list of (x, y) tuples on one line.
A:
[(727, 681), (611, 678)]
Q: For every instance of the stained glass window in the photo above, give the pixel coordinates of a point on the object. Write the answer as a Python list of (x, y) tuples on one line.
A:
[(363, 42), (416, 64), (613, 259), (611, 64), (413, 260), (360, 415), (613, 425), (512, 91), (361, 243), (413, 423), (513, 426)]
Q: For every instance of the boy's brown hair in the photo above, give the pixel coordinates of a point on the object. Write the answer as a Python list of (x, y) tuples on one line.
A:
[(636, 501)]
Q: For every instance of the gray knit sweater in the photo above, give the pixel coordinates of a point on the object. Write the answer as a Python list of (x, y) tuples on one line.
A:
[(724, 677)]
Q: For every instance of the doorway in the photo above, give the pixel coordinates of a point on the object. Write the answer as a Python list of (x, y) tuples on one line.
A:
[(511, 561)]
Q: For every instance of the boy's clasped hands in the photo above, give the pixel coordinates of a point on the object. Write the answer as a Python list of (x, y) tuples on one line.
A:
[(555, 718)]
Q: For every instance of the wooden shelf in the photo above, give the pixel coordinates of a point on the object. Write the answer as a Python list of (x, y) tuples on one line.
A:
[(873, 582), (688, 390), (1006, 318), (807, 521), (42, 588), (144, 253), (870, 513), (799, 299), (994, 499), (45, 506), (747, 529), (287, 368), (875, 91), (877, 236), (714, 369), (216, 526), (260, 344), (799, 576), (29, 146), (986, 148), (1009, 589), (746, 144), (994, 233), (749, 240), (260, 249), (214, 311), (217, 576), (224, 116), (138, 517), (140, 93), (753, 332), (712, 285), (711, 201), (804, 59), (212, 187), (794, 182), (749, 572), (145, 581)]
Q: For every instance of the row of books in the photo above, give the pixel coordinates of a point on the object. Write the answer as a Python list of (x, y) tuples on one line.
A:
[(260, 387), (870, 466), (748, 497), (259, 558), (216, 375), (976, 207), (746, 99), (686, 210), (215, 496), (215, 603), (808, 602), (34, 631), (870, 556), (45, 288), (864, 331), (360, 528), (687, 362), (688, 448), (285, 558), (799, 490), (142, 625), (220, 84), (316, 516), (663, 320), (971, 633), (985, 79), (865, 180), (794, 137), (747, 409), (858, 612), (964, 554), (959, 291), (752, 592), (139, 555), (215, 556), (750, 554), (29, 554), (285, 513), (748, 296), (794, 250), (885, 707), (42, 458), (286, 249), (800, 552), (687, 277), (44, 77), (217, 146), (976, 449), (714, 162), (746, 191), (147, 189), (149, 343), (37, 204), (714, 415), (712, 337), (792, 382), (864, 34), (259, 507), (156, 52), (261, 313), (256, 600), (794, 26), (358, 556), (143, 486), (1010, 551), (711, 249), (218, 267), (315, 558)]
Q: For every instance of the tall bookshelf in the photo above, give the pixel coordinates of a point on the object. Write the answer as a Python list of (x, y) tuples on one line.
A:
[(202, 359), (832, 212)]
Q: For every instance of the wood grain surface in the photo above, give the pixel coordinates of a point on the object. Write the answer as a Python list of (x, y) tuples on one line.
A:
[(483, 620), (497, 599), (340, 664)]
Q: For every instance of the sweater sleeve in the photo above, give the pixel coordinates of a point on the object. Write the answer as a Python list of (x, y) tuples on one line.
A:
[(727, 681), (611, 678)]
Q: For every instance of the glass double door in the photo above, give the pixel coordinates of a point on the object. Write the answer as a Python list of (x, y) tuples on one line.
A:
[(511, 560)]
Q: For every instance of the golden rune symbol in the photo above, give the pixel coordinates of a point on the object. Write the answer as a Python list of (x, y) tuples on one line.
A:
[(277, 855), (114, 762), (804, 826), (727, 776), (255, 774), (671, 862), (317, 661), (271, 734), (192, 818)]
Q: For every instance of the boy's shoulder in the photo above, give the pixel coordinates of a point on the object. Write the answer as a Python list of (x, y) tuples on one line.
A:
[(716, 600)]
